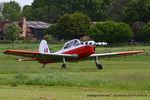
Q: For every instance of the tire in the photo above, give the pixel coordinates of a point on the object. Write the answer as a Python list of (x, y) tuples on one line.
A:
[(99, 66), (63, 66)]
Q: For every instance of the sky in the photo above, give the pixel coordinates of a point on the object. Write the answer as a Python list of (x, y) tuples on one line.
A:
[(21, 2)]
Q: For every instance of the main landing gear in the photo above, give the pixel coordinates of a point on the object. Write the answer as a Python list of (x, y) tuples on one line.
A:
[(44, 65), (99, 66), (63, 66)]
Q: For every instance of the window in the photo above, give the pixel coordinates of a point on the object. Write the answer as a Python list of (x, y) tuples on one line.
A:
[(72, 43)]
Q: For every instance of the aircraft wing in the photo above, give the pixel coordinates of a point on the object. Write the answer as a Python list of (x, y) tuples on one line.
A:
[(115, 54), (41, 56)]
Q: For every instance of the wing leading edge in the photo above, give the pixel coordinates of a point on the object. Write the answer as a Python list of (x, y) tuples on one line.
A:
[(115, 54), (41, 56)]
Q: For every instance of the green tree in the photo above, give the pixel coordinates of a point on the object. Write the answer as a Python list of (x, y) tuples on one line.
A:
[(12, 11), (70, 26), (146, 32), (111, 32), (52, 31), (137, 27), (27, 11), (12, 32), (93, 8), (73, 25), (48, 37), (45, 10), (114, 9), (47, 14), (136, 10)]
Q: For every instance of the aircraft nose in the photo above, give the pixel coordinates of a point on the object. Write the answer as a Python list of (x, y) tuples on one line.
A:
[(92, 50)]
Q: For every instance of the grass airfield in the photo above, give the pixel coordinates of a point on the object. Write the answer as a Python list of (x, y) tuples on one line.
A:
[(28, 92), (122, 78)]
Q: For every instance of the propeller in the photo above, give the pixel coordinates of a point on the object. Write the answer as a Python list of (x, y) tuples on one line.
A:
[(101, 43), (93, 43)]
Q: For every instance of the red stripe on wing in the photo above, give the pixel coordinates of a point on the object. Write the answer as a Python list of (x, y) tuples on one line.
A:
[(9, 51), (130, 52), (28, 59), (22, 53)]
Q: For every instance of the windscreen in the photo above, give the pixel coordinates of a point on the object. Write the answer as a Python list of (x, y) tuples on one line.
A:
[(71, 43)]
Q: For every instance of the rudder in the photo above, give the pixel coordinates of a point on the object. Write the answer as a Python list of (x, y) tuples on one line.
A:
[(43, 47)]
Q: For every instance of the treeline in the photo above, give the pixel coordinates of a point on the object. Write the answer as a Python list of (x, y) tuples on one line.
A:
[(117, 19)]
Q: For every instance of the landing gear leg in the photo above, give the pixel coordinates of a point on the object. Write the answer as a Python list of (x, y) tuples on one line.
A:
[(63, 65), (99, 66), (44, 65)]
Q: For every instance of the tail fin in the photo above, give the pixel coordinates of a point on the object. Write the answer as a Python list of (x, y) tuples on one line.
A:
[(43, 47)]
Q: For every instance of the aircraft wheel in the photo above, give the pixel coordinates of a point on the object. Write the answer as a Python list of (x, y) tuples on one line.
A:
[(99, 66), (63, 66), (44, 65)]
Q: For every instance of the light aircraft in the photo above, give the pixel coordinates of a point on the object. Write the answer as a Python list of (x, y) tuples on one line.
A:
[(73, 51)]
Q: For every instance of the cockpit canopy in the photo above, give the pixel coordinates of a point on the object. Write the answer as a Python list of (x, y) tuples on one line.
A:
[(71, 43), (76, 42)]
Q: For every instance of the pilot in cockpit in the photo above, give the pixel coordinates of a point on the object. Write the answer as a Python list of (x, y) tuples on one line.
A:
[(72, 43)]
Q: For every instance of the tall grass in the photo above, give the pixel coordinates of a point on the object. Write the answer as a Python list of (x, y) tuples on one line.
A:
[(114, 81)]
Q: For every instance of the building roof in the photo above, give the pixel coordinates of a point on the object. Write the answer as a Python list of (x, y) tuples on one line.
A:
[(30, 24), (38, 24), (3, 24)]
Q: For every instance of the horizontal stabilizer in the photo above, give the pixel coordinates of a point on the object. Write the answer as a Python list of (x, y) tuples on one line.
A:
[(28, 59)]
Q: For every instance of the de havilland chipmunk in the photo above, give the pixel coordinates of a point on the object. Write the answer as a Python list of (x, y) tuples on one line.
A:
[(72, 51)]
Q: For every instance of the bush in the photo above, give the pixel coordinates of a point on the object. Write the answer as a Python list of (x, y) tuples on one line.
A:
[(71, 26), (48, 37), (111, 32)]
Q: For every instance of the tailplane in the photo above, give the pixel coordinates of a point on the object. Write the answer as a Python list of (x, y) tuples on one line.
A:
[(43, 47)]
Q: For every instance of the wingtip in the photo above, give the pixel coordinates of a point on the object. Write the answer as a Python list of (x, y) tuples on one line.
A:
[(5, 52), (142, 50), (20, 60)]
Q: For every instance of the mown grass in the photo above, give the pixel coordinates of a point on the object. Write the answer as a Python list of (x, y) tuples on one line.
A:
[(29, 92)]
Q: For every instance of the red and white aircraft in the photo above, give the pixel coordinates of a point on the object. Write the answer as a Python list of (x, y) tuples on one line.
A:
[(73, 50)]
